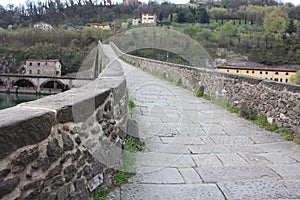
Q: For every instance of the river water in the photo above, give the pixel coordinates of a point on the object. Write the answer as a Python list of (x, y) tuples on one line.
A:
[(10, 100)]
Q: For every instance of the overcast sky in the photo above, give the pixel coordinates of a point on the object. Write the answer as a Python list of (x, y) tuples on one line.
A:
[(18, 2)]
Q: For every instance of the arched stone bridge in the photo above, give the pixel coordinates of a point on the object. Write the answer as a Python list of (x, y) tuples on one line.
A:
[(33, 84)]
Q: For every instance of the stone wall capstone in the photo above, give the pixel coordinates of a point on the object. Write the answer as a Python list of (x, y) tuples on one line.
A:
[(64, 146), (279, 101)]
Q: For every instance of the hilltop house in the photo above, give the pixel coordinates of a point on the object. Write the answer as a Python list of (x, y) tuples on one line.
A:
[(149, 19), (98, 26), (43, 26), (51, 67), (136, 22), (274, 74)]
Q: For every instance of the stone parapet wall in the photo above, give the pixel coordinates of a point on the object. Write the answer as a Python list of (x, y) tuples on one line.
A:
[(63, 146), (279, 101)]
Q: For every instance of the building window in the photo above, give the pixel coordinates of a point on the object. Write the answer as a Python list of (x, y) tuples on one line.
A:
[(39, 64), (38, 71), (30, 64), (287, 73), (266, 73), (260, 72), (276, 79), (30, 71), (286, 80), (46, 64), (276, 73), (281, 80), (227, 70), (252, 72), (247, 72), (237, 71), (271, 79)]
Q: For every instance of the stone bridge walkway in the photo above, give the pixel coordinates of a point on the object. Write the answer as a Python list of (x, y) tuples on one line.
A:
[(197, 150)]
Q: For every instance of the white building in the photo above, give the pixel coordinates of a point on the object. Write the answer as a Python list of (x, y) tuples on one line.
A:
[(136, 22), (43, 26), (149, 19)]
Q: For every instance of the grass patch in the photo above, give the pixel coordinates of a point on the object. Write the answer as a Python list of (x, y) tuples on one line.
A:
[(101, 193), (262, 121), (127, 168), (225, 105), (131, 105), (198, 93)]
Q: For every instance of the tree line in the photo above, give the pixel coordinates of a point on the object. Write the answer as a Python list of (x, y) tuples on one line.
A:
[(56, 12)]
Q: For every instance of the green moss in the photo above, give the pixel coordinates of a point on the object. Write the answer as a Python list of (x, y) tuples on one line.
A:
[(101, 193)]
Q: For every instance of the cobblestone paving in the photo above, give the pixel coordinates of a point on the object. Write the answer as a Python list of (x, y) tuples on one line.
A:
[(197, 150)]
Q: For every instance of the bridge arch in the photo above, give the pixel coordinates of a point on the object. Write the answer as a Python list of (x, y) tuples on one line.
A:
[(24, 83), (52, 84), (165, 39)]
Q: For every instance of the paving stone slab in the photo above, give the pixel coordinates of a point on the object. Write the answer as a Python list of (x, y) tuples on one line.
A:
[(206, 160), (255, 159), (170, 192), (190, 176), (206, 149), (259, 189), (278, 158), (161, 176), (231, 173), (192, 140), (288, 171), (231, 140), (167, 148), (231, 159), (164, 160)]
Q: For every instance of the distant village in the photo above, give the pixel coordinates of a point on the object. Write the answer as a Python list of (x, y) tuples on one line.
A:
[(53, 66)]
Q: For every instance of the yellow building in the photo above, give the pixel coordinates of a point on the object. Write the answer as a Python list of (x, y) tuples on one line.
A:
[(274, 74)]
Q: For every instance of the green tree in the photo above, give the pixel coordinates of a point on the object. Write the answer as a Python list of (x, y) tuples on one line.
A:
[(230, 29), (291, 28), (274, 24), (296, 78), (202, 15)]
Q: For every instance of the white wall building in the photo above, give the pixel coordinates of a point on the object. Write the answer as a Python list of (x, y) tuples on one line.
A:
[(149, 19)]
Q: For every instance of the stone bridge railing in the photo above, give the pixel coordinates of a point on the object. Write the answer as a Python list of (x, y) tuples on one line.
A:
[(279, 101), (64, 146)]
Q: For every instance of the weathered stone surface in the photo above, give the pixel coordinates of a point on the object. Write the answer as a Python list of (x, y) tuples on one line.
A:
[(57, 182), (33, 195), (158, 176), (231, 173), (190, 176), (162, 192), (63, 192), (70, 169), (257, 189), (53, 149), (24, 126), (8, 185), (54, 172), (107, 106), (4, 173), (68, 143), (32, 185), (77, 154), (79, 184), (133, 129), (26, 157)]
